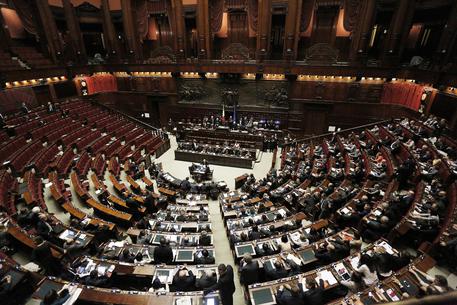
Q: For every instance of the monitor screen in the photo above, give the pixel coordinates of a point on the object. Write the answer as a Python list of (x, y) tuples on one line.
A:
[(249, 248), (307, 255), (157, 238), (262, 296), (185, 255)]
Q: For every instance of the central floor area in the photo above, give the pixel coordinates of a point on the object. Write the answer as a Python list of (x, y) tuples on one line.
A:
[(180, 169)]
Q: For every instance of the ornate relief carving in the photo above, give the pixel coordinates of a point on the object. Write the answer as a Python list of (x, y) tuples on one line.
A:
[(162, 55), (351, 14), (190, 93), (321, 53), (235, 51), (276, 96)]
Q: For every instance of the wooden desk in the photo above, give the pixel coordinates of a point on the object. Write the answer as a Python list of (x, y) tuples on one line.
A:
[(167, 191), (28, 241), (122, 204), (120, 187), (97, 183), (107, 211), (239, 181), (78, 187), (78, 214), (232, 161), (56, 194), (133, 184), (28, 198), (149, 183)]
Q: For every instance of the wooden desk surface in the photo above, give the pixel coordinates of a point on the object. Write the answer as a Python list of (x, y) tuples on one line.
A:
[(132, 182), (97, 183), (118, 201), (77, 185), (167, 191), (77, 213), (27, 240), (117, 185), (108, 211), (56, 194)]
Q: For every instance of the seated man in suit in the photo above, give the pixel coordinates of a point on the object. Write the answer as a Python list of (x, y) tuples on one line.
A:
[(249, 272), (287, 295), (277, 272), (184, 280), (254, 234), (203, 257), (127, 256), (375, 229), (315, 292), (206, 280), (205, 239), (94, 280)]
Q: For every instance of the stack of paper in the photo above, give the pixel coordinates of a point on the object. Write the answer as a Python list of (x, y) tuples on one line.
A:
[(326, 276), (293, 258)]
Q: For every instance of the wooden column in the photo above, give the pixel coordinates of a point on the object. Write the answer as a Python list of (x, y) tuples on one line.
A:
[(203, 30), (134, 49), (76, 39), (362, 34), (263, 29), (178, 27), (111, 41), (292, 29), (50, 29), (398, 30), (448, 37)]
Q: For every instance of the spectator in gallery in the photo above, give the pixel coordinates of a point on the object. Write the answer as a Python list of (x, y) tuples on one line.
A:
[(24, 108)]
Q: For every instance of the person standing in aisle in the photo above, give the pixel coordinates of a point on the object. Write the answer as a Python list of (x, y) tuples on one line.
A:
[(225, 284)]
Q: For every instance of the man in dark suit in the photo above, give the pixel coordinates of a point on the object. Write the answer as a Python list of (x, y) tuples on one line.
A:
[(278, 272), (185, 185), (249, 272), (315, 293), (287, 295), (163, 253), (205, 239), (254, 234), (206, 280), (184, 280), (225, 284), (203, 258)]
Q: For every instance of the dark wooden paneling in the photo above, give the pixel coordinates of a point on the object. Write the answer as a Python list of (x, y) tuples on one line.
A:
[(445, 106)]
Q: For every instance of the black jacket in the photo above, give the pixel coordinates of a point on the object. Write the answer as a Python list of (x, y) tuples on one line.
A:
[(225, 284), (185, 283), (249, 273), (163, 255), (315, 296), (285, 297), (204, 240)]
